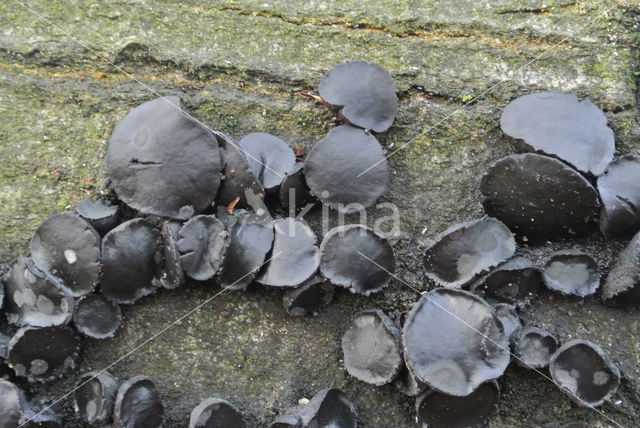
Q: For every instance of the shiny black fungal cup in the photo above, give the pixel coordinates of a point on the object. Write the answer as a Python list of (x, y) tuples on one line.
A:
[(202, 243), (101, 214), (216, 413), (95, 396), (138, 404), (96, 316)]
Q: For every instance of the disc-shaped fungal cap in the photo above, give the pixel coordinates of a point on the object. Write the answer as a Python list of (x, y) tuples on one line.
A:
[(517, 280), (464, 250), (563, 126), (356, 257), (202, 244), (172, 275), (572, 272), (67, 249), (131, 261), (216, 413), (39, 414), (584, 371), (295, 256), (249, 243), (308, 298), (347, 169), (269, 158), (371, 348), (508, 317), (533, 347), (454, 342), (622, 287), (329, 408), (365, 90), (138, 404), (539, 197), (32, 299), (96, 316), (294, 192), (95, 397), (101, 215), (163, 162), (436, 410), (43, 353), (619, 189), (10, 405)]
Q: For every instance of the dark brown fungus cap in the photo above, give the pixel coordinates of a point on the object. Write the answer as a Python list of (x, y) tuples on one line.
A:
[(294, 192), (172, 275), (309, 297), (584, 371), (533, 347), (67, 249), (508, 317), (39, 414), (269, 158), (32, 299), (11, 401), (464, 250), (515, 281), (365, 91), (202, 244), (295, 255), (96, 316), (329, 408), (138, 404), (355, 257), (371, 348), (438, 410), (95, 397), (572, 272), (619, 189), (216, 413), (43, 353), (453, 342), (347, 169), (163, 162), (101, 215), (131, 261), (561, 125), (539, 197), (622, 287)]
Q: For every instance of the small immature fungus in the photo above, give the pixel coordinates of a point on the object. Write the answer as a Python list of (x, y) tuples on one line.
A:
[(583, 370), (269, 158), (622, 286), (67, 249), (172, 275), (202, 243), (138, 404), (102, 215), (371, 348), (619, 189), (508, 317), (216, 413), (96, 316), (533, 347), (11, 401), (515, 281), (572, 272), (95, 396), (464, 250), (355, 257), (309, 297), (294, 192)]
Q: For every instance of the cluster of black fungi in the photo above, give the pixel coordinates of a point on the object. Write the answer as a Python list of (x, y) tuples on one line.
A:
[(202, 208)]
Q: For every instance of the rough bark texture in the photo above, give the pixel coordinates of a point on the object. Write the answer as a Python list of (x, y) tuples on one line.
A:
[(68, 77)]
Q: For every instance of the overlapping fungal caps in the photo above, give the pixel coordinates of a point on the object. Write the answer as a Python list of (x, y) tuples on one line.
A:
[(96, 316), (163, 162), (172, 275), (328, 408), (43, 353), (95, 396), (622, 286), (533, 347), (309, 297), (11, 401), (202, 243), (539, 197), (269, 158), (619, 189), (67, 249), (585, 372), (364, 91), (572, 272), (515, 281), (102, 215), (508, 317), (32, 299), (216, 413), (438, 410), (131, 261), (295, 255), (371, 348), (561, 125), (461, 252), (347, 169), (39, 414), (453, 342), (294, 192), (355, 257), (406, 384), (138, 404)]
